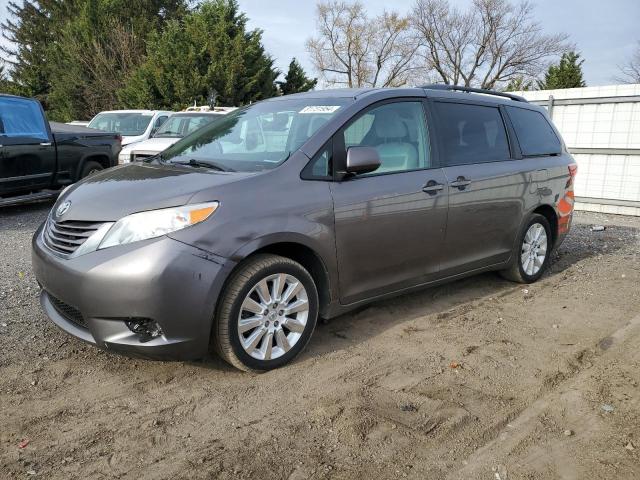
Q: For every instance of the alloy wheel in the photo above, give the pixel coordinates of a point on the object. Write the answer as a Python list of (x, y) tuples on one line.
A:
[(534, 249), (273, 316)]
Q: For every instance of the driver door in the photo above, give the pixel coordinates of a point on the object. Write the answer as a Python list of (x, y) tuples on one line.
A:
[(389, 224), (27, 153)]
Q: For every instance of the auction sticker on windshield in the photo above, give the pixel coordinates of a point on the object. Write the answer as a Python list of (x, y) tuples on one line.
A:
[(320, 109)]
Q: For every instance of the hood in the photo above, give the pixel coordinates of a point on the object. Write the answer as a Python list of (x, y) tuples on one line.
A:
[(153, 145), (114, 193), (128, 139)]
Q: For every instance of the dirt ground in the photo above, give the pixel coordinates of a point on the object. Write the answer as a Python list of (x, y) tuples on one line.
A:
[(479, 379)]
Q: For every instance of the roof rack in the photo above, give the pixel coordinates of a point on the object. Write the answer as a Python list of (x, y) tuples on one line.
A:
[(459, 88)]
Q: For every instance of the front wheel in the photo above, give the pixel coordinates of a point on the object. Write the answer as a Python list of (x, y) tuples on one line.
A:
[(90, 168), (266, 314), (532, 254)]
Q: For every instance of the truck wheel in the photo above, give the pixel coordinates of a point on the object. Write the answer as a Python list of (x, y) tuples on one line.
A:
[(90, 167), (266, 313), (532, 253)]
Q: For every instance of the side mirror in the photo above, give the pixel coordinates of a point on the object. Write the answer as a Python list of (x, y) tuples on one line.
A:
[(362, 160)]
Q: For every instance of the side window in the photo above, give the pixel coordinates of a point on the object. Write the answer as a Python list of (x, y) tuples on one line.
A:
[(471, 133), (535, 135), (397, 131), (193, 124), (354, 135), (321, 167), (20, 118), (160, 121)]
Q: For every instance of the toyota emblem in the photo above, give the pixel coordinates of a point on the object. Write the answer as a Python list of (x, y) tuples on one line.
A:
[(63, 208)]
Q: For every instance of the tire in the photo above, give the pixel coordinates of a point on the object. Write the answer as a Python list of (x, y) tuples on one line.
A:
[(89, 168), (236, 346), (521, 270)]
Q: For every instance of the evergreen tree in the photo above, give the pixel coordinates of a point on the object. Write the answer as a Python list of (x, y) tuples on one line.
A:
[(5, 86), (30, 28), (567, 74), (74, 55), (519, 84), (99, 49), (210, 49), (296, 80)]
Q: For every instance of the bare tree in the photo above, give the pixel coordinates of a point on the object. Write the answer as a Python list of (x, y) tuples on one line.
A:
[(630, 71), (354, 50), (488, 45)]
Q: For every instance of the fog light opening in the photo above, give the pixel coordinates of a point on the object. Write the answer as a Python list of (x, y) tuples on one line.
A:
[(147, 328)]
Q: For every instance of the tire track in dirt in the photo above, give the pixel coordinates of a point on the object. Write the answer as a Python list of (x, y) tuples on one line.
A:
[(521, 427)]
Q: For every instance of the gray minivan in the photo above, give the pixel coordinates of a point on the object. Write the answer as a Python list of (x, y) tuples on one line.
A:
[(240, 235)]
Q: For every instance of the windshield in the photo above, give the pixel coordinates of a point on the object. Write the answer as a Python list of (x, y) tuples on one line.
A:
[(127, 124), (179, 126), (257, 137)]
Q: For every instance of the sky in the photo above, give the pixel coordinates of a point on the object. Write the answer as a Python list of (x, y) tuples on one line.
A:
[(605, 32)]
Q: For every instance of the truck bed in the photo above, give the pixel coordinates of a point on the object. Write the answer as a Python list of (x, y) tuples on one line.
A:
[(63, 131)]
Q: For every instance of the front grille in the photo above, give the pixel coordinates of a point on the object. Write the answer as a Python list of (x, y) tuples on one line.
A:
[(66, 237), (67, 311), (137, 157)]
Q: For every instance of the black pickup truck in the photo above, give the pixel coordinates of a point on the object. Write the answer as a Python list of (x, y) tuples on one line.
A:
[(38, 158)]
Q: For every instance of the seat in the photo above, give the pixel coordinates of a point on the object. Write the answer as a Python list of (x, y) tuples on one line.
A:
[(473, 141), (302, 128), (389, 137)]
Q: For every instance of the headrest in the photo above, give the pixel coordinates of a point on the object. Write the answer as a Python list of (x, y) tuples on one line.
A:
[(280, 121), (473, 132), (389, 125)]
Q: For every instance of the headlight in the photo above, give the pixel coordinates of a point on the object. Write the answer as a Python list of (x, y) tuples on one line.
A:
[(155, 223)]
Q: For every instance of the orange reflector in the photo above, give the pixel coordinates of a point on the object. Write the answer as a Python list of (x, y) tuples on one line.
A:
[(197, 216), (564, 207)]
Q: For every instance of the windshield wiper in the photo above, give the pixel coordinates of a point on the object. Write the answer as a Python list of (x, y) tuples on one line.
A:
[(168, 134), (155, 158), (204, 164)]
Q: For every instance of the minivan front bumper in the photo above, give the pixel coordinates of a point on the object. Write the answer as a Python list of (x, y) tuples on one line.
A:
[(162, 280)]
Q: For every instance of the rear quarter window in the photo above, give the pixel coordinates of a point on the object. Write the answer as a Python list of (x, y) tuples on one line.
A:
[(535, 134), (21, 118), (471, 133)]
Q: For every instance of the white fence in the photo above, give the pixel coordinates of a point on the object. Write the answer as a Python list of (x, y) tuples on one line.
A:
[(601, 127)]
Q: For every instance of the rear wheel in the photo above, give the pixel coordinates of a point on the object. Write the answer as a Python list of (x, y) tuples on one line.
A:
[(89, 168), (266, 314), (531, 256)]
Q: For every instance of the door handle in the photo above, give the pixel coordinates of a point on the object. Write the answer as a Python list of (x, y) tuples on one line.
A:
[(461, 183), (432, 187)]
